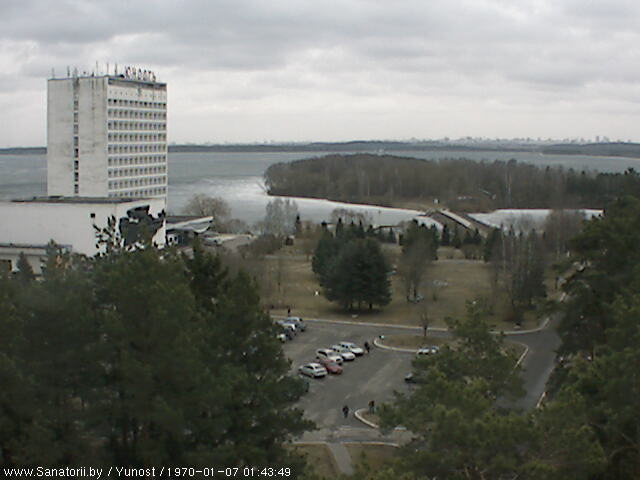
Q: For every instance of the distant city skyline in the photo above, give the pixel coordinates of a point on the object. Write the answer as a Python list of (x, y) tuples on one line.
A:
[(246, 71)]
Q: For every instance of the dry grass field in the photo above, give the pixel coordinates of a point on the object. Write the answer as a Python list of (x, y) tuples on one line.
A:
[(449, 284), (320, 458), (371, 455)]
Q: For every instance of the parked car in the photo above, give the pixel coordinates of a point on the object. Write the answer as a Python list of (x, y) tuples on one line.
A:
[(330, 354), (287, 326), (286, 331), (345, 353), (298, 322), (331, 366), (428, 350), (314, 370), (355, 349), (282, 337)]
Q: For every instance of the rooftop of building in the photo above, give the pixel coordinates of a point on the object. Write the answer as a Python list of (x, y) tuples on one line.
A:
[(80, 200), (127, 74)]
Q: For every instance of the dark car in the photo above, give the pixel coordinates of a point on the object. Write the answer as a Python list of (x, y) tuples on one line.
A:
[(331, 366)]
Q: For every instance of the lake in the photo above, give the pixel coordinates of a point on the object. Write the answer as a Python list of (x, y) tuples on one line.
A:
[(237, 178)]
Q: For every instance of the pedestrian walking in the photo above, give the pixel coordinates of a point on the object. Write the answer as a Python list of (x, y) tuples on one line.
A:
[(372, 407), (366, 346), (288, 311), (345, 411)]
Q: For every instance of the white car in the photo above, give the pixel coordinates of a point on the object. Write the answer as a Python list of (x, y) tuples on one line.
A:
[(288, 326), (355, 349), (282, 337), (329, 354), (430, 350), (314, 370), (345, 353), (298, 322)]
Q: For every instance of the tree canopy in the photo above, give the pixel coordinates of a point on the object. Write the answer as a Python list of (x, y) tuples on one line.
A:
[(142, 358), (352, 270)]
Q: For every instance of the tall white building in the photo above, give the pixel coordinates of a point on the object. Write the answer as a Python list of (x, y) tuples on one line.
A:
[(107, 136)]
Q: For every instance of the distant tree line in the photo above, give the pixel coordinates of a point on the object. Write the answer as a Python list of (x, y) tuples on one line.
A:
[(383, 179)]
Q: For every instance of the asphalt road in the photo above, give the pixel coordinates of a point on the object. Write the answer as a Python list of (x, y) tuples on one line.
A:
[(373, 376), (377, 375)]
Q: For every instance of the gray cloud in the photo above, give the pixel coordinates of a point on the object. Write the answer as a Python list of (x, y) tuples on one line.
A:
[(360, 60)]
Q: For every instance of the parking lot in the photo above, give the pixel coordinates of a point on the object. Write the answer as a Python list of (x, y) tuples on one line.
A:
[(373, 376)]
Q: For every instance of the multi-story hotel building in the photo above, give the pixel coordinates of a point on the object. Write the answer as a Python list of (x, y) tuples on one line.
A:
[(107, 136)]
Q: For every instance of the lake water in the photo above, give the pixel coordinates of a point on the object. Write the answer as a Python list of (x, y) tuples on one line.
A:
[(237, 178)]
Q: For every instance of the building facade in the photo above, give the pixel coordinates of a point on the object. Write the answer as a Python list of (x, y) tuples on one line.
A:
[(72, 223), (107, 136)]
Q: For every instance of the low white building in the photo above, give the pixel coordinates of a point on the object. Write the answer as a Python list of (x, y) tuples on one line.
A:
[(27, 226)]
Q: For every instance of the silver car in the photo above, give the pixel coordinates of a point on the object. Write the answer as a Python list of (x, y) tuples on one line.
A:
[(314, 370), (345, 353), (355, 349), (330, 354), (298, 322)]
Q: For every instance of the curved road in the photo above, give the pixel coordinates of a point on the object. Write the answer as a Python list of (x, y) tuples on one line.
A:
[(378, 375)]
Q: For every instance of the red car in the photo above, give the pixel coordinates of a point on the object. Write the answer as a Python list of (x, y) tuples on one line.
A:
[(330, 365)]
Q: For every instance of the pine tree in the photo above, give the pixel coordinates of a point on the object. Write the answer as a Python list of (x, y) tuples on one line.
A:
[(358, 276), (326, 250), (25, 272), (445, 239)]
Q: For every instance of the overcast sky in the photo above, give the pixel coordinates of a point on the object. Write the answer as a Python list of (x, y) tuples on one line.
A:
[(307, 70)]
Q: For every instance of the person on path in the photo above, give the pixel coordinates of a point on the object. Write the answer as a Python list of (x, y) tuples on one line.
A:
[(288, 311), (372, 407), (345, 411), (366, 346)]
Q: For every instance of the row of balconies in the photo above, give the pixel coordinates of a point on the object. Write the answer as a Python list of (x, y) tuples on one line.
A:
[(136, 160), (136, 172), (137, 182), (121, 102)]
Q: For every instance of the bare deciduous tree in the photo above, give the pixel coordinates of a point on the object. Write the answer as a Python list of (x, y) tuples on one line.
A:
[(207, 206)]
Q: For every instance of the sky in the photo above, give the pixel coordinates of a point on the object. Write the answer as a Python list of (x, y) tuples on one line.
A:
[(244, 71)]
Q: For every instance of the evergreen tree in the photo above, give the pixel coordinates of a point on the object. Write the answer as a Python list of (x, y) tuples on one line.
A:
[(25, 272), (359, 275), (459, 432), (326, 250), (339, 229), (456, 241), (445, 239)]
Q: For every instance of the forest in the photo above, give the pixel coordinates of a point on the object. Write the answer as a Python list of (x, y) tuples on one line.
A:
[(460, 183)]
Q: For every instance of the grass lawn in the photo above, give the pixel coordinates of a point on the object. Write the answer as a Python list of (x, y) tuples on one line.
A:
[(375, 456), (447, 287), (320, 459)]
